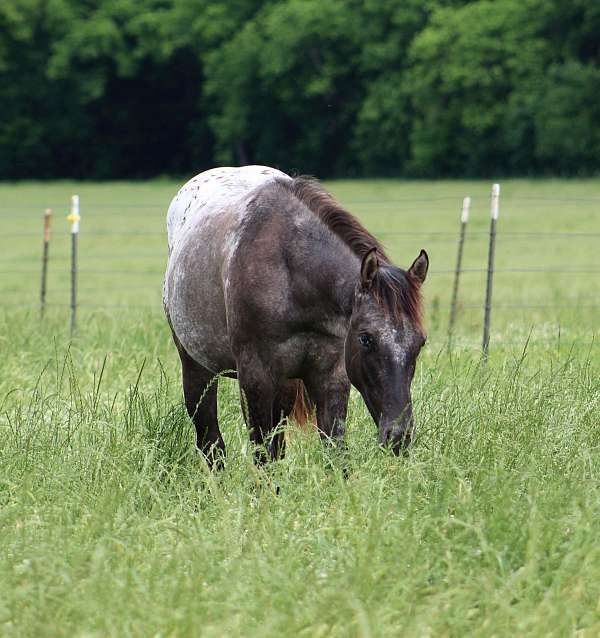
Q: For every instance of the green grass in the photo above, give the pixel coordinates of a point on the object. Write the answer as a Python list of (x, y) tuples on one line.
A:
[(112, 525)]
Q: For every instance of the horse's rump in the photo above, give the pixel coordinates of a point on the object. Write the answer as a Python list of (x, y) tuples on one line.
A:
[(208, 193)]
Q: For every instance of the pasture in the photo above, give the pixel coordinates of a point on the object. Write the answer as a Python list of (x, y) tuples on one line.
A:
[(112, 525)]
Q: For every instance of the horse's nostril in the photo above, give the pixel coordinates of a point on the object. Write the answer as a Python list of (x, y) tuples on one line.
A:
[(399, 439), (403, 441), (396, 436), (384, 436)]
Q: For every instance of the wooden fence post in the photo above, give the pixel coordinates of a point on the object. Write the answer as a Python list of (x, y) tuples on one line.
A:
[(490, 269), (74, 219), (46, 248), (464, 218)]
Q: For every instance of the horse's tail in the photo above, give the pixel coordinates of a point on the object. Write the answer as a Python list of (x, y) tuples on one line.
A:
[(302, 412)]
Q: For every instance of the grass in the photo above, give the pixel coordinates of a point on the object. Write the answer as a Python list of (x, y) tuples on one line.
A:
[(111, 524)]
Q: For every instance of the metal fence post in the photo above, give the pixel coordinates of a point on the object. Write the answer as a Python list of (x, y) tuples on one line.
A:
[(74, 218), (464, 218), (47, 222), (490, 269)]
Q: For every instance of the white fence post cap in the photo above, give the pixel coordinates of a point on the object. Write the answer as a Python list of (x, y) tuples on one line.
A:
[(464, 218), (74, 217), (495, 200)]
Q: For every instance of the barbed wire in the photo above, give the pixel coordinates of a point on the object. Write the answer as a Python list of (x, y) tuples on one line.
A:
[(55, 292), (159, 306), (97, 306), (564, 270), (450, 236), (547, 200), (163, 254), (574, 305), (92, 233), (147, 211), (87, 271), (562, 340), (23, 259), (515, 306)]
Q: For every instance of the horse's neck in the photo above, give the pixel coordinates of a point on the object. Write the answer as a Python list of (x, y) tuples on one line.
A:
[(344, 291), (335, 274)]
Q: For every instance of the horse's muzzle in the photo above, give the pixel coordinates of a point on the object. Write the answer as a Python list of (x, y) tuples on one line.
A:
[(396, 436)]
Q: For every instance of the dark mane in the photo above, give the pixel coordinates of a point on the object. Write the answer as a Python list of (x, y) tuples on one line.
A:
[(337, 219), (395, 289)]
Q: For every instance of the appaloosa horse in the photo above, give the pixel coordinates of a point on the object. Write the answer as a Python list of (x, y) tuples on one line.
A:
[(270, 277)]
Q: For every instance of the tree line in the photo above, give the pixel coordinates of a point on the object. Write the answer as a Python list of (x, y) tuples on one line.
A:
[(136, 88)]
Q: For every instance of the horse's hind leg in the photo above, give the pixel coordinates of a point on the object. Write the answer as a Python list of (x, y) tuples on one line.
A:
[(200, 393)]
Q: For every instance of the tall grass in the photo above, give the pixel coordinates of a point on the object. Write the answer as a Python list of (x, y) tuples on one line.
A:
[(112, 524)]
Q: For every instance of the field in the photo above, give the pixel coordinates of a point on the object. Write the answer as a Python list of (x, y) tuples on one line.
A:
[(112, 525)]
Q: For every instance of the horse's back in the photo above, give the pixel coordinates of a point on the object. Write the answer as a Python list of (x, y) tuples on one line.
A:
[(211, 192)]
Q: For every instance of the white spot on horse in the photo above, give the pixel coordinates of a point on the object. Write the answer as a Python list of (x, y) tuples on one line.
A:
[(393, 337), (220, 188)]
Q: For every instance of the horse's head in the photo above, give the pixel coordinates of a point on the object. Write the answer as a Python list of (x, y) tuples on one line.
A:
[(383, 342)]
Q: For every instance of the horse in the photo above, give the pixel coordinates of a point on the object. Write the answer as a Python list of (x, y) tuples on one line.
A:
[(271, 281)]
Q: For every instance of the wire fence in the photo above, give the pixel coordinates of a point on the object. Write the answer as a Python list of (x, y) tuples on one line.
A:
[(94, 264), (512, 235)]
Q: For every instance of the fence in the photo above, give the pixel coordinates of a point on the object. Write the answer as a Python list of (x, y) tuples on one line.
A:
[(142, 266)]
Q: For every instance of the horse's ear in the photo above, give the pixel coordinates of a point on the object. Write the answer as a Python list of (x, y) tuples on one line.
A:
[(419, 267), (369, 268)]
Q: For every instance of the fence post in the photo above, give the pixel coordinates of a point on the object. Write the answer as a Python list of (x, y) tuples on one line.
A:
[(490, 269), (47, 222), (464, 218), (74, 219)]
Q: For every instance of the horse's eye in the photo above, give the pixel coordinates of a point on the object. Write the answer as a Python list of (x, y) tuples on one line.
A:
[(365, 340)]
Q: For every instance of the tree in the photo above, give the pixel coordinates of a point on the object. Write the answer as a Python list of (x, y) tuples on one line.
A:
[(285, 86), (139, 87), (133, 88), (36, 116), (467, 67), (381, 135)]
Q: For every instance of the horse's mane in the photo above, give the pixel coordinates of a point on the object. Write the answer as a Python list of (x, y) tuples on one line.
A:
[(395, 289), (310, 192)]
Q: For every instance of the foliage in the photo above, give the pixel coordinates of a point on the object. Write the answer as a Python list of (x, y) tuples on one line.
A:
[(348, 87), (495, 92)]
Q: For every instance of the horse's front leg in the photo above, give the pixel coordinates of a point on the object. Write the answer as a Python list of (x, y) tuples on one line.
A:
[(330, 395), (258, 397)]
